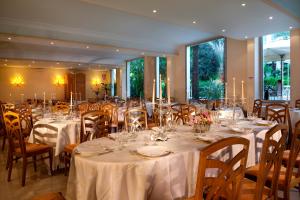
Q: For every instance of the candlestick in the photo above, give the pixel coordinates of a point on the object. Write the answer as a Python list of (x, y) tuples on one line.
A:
[(226, 94), (233, 86), (243, 92), (44, 100), (153, 95), (71, 99), (169, 95), (34, 96)]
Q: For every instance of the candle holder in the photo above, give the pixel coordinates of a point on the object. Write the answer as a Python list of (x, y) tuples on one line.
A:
[(234, 110)]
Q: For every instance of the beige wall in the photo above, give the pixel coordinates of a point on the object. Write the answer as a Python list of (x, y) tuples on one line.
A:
[(95, 74), (39, 81), (35, 81), (295, 65), (178, 71), (236, 66)]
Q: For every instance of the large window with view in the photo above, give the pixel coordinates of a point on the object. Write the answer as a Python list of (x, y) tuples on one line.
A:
[(205, 70), (135, 78), (161, 70), (276, 66)]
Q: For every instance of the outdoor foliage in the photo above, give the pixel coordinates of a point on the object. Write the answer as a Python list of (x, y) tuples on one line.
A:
[(207, 69), (163, 72), (137, 77)]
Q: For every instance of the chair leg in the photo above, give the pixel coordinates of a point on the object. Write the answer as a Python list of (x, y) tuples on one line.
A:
[(9, 166), (66, 163), (7, 160), (34, 162), (50, 161), (24, 170), (4, 142)]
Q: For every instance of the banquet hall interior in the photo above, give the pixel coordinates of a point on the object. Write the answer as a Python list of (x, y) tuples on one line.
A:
[(158, 100)]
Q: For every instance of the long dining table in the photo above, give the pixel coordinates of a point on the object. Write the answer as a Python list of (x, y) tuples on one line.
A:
[(109, 168)]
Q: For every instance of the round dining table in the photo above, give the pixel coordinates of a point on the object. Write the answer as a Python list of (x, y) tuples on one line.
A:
[(111, 168)]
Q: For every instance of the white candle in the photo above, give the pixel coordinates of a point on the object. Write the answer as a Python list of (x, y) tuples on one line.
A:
[(242, 91), (226, 94), (44, 100), (233, 86), (34, 96), (160, 88), (169, 93), (153, 93), (71, 99)]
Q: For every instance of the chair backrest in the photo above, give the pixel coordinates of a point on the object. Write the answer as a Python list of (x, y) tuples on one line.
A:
[(112, 110), (13, 130), (83, 107), (95, 124), (257, 107), (26, 119), (278, 112), (135, 103), (61, 107), (297, 103), (229, 172), (294, 153), (7, 106), (136, 119), (271, 157), (45, 134), (94, 107)]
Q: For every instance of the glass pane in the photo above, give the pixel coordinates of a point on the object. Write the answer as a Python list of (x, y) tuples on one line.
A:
[(276, 66), (207, 70), (163, 73), (137, 77)]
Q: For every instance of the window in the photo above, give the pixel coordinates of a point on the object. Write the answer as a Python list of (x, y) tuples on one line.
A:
[(135, 78), (206, 69), (276, 66), (113, 82), (161, 69)]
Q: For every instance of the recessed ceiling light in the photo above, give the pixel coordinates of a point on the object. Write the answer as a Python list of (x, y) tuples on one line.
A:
[(154, 11), (223, 30), (52, 43), (117, 50), (243, 4), (246, 37), (290, 27), (87, 47), (194, 22), (57, 63), (271, 17), (9, 38), (143, 53), (79, 64)]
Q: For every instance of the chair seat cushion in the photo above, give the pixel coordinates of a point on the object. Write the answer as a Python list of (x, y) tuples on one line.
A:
[(69, 148), (34, 148), (248, 190)]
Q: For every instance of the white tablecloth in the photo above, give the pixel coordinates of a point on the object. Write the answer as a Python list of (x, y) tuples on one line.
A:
[(122, 175), (68, 132)]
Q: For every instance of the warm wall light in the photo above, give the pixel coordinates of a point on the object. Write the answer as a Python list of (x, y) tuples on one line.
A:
[(17, 81), (59, 80), (96, 81)]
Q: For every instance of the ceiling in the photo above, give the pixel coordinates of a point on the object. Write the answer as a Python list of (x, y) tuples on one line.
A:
[(118, 30)]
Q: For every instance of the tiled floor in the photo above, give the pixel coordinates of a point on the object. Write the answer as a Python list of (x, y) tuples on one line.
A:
[(40, 182)]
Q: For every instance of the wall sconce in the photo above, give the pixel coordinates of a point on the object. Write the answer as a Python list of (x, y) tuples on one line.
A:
[(59, 80), (17, 81), (96, 82)]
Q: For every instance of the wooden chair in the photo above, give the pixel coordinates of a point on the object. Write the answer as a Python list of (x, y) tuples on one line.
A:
[(47, 136), (94, 107), (270, 159), (227, 183), (297, 103), (61, 107), (95, 124), (280, 113), (135, 119), (25, 116), (19, 149), (112, 110), (135, 103), (183, 111), (257, 107), (83, 107)]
